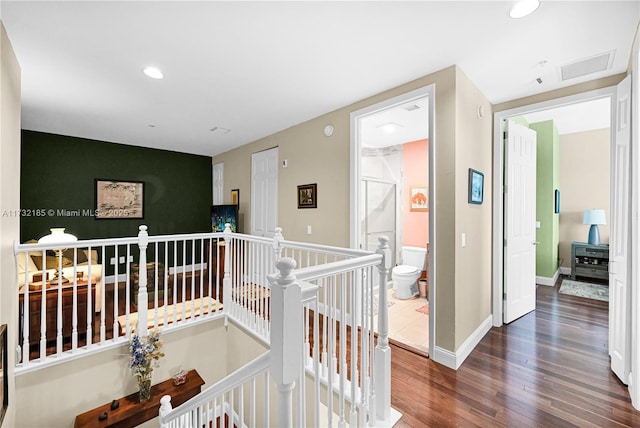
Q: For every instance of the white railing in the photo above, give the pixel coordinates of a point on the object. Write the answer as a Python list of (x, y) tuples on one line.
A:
[(240, 399), (325, 359), (96, 302), (313, 305)]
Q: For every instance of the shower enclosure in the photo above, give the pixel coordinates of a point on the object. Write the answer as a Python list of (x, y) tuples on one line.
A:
[(379, 214)]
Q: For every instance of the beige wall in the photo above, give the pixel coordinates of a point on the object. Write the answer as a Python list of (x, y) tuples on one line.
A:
[(584, 184), (314, 158), (9, 200), (52, 397), (473, 262)]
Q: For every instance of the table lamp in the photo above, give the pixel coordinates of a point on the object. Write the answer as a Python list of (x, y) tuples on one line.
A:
[(594, 218), (58, 237)]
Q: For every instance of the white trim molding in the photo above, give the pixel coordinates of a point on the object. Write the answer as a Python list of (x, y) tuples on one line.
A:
[(454, 360), (544, 280)]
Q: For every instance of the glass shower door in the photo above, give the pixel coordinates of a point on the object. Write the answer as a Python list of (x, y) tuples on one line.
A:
[(380, 211)]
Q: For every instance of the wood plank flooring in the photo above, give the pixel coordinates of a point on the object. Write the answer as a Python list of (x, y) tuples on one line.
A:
[(549, 368)]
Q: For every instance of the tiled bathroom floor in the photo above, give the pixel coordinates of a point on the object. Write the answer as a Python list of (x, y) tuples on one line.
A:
[(409, 321)]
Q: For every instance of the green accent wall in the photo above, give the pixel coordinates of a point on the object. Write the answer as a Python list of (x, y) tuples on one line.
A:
[(548, 180), (58, 173)]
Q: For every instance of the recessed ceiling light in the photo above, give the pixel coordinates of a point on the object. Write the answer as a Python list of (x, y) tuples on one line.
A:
[(389, 127), (523, 8), (153, 72)]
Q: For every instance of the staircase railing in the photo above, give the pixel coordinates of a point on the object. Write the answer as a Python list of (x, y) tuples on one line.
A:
[(313, 305), (328, 363)]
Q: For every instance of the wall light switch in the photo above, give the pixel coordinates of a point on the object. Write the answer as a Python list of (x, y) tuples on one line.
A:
[(309, 230), (464, 240), (537, 225)]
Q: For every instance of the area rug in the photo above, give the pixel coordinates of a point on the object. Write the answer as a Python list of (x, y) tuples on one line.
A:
[(423, 309), (585, 289)]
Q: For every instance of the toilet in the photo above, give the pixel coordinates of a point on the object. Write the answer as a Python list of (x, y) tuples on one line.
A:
[(405, 276)]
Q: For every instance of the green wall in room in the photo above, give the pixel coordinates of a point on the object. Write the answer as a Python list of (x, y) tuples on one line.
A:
[(58, 173), (548, 180)]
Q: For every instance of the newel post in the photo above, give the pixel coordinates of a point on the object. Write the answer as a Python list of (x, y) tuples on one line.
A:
[(143, 242), (228, 251), (383, 352), (286, 336), (165, 408)]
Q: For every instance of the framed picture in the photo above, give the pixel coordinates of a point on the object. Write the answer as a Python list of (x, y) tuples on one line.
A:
[(419, 198), (476, 186), (308, 196), (235, 196), (4, 382), (119, 199)]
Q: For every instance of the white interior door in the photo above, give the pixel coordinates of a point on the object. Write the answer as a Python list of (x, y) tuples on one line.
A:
[(218, 183), (520, 222), (619, 290), (264, 192)]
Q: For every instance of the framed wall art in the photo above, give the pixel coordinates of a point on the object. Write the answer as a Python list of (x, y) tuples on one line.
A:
[(419, 198), (476, 187), (235, 196), (119, 199), (308, 196)]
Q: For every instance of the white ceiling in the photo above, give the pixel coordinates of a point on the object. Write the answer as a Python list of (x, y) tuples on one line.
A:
[(256, 68)]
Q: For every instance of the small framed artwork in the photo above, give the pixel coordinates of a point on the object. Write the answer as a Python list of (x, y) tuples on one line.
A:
[(419, 198), (476, 187), (4, 381), (308, 196), (556, 209), (235, 197), (119, 199)]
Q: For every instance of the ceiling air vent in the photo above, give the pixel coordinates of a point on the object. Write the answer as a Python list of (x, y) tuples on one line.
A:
[(587, 66), (412, 107)]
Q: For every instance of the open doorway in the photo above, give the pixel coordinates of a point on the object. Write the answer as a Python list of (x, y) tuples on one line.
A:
[(391, 166), (619, 139)]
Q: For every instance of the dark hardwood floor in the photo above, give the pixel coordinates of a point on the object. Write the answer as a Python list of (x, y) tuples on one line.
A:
[(549, 368)]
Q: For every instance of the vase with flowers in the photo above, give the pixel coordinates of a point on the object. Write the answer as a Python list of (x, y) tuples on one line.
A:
[(145, 353)]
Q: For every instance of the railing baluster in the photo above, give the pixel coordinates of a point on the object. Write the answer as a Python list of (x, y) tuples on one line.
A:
[(116, 300), (74, 304), (103, 323)]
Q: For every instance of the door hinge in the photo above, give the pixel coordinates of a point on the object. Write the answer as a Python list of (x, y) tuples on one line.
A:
[(506, 135)]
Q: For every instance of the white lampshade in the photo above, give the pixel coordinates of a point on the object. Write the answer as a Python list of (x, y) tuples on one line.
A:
[(57, 236), (594, 217)]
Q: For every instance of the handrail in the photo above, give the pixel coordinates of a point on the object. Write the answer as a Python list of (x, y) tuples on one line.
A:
[(347, 252), (242, 375), (338, 267)]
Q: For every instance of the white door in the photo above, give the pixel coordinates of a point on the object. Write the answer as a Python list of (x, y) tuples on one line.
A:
[(520, 222), (619, 291), (264, 192), (218, 183)]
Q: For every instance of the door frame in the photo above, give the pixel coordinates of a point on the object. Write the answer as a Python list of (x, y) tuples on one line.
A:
[(429, 92), (498, 179)]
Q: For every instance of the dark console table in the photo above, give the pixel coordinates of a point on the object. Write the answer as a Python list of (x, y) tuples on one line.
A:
[(131, 412)]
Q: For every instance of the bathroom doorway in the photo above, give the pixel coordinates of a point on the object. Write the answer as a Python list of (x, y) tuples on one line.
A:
[(391, 163)]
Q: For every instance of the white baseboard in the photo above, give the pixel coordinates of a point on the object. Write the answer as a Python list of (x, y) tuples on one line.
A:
[(543, 280), (454, 360), (565, 270)]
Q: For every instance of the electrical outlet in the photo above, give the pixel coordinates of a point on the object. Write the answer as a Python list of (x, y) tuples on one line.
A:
[(309, 230)]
